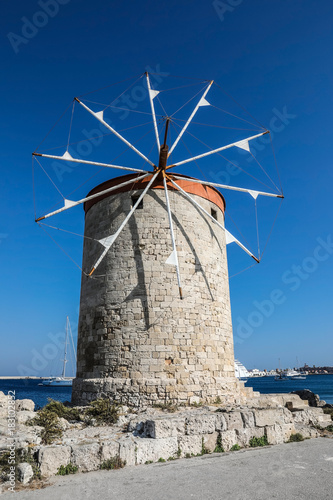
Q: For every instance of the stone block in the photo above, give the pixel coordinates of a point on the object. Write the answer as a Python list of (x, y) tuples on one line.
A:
[(24, 416), (86, 456), (127, 449), (154, 449), (312, 416), (278, 434), (228, 439), (200, 424), (190, 445), (306, 431), (25, 404), (248, 418), (269, 417), (234, 420), (209, 441), (109, 449), (164, 427), (25, 473), (50, 458), (221, 423)]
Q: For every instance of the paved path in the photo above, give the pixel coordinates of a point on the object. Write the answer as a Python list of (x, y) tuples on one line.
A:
[(295, 471)]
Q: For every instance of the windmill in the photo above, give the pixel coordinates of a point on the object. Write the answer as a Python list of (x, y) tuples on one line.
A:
[(160, 172)]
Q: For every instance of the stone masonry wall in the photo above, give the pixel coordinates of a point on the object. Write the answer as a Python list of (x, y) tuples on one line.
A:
[(138, 342)]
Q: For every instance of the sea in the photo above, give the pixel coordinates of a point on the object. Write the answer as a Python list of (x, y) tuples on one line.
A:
[(30, 388), (319, 384)]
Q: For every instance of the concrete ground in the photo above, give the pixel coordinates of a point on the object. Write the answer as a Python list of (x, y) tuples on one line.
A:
[(293, 471)]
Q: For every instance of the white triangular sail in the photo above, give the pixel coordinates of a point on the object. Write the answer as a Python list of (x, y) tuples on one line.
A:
[(97, 115), (202, 102), (243, 145), (100, 115), (213, 151), (153, 93), (67, 156), (254, 194), (172, 259), (69, 203), (107, 242), (229, 237)]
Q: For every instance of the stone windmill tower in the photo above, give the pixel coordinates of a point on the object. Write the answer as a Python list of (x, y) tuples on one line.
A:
[(155, 320)]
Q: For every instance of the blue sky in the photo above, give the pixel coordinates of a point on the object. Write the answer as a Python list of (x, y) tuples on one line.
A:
[(273, 57)]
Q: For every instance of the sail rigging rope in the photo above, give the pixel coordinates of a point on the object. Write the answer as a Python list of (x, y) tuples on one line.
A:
[(238, 104), (96, 137), (53, 127), (47, 175), (112, 84), (219, 126), (229, 161), (191, 99), (70, 126)]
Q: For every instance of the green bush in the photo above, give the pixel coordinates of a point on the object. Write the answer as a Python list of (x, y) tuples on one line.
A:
[(235, 447), (113, 463), (328, 411), (70, 414), (219, 447), (21, 456), (161, 460), (50, 421), (329, 428), (296, 437), (4, 466), (170, 407), (103, 411), (262, 441), (65, 470), (204, 450)]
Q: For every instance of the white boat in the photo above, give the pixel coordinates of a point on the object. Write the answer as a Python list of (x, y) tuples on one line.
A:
[(62, 381), (58, 382), (240, 371), (297, 375), (300, 376)]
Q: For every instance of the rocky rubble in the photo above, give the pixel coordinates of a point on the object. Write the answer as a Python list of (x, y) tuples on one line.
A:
[(154, 434)]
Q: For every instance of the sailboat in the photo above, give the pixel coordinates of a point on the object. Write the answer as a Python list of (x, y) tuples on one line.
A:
[(281, 374), (297, 375), (62, 381)]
